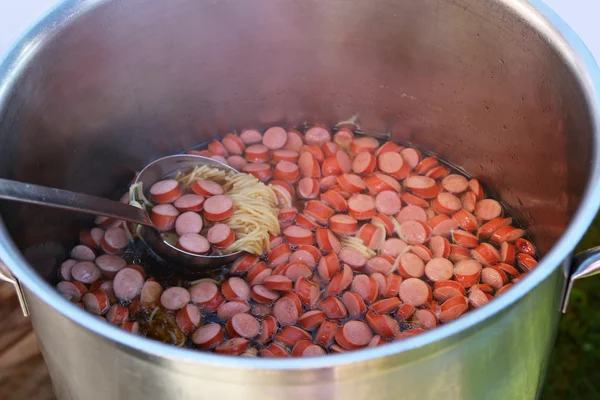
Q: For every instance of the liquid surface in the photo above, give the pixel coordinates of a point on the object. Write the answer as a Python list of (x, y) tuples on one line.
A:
[(378, 242)]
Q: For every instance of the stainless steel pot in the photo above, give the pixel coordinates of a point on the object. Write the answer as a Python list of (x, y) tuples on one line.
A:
[(502, 88)]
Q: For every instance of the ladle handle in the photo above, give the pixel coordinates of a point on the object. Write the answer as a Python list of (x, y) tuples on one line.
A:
[(67, 200)]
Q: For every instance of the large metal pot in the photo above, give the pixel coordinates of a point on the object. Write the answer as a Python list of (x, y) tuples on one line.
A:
[(502, 88)]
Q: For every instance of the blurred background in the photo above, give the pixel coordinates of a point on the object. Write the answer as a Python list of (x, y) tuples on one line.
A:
[(572, 372)]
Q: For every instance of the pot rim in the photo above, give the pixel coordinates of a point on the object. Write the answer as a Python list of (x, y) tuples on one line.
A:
[(537, 14)]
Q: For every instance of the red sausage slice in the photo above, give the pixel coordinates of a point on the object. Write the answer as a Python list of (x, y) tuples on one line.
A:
[(379, 265), (117, 314), (188, 222), (411, 266), (333, 308), (326, 333), (383, 325), (455, 183), (244, 325), (446, 203), (392, 285), (422, 186), (260, 171), (221, 236), (206, 188), (96, 302), (233, 347), (311, 319), (411, 213), (351, 183), (467, 272), (309, 166), (128, 284), (354, 258), (388, 202), (165, 191), (364, 163), (295, 140), (308, 188), (361, 206), (297, 235), (231, 308), (379, 182), (235, 288), (343, 224), (366, 287), (110, 264), (193, 243), (114, 240), (343, 138), (189, 202), (444, 290), (488, 209), (354, 304), (208, 336), (257, 153), (363, 144), (163, 216), (188, 318), (275, 138), (327, 241), (415, 292), (150, 294), (393, 164), (385, 306), (286, 310), (353, 335), (83, 253), (85, 272), (233, 144), (414, 232), (262, 294), (287, 171), (250, 136), (218, 208), (329, 265), (439, 269), (393, 247), (317, 135)]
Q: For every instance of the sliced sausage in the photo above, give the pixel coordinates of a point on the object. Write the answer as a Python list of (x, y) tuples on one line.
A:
[(290, 335), (379, 182), (188, 222), (364, 163), (243, 325), (327, 241), (361, 206), (317, 135), (206, 188), (467, 272), (363, 144), (114, 240), (393, 164), (257, 153), (232, 347), (110, 264), (439, 269), (415, 292), (286, 310), (383, 324), (297, 235), (96, 302), (166, 191), (128, 284), (488, 209), (353, 335), (326, 333), (189, 202), (308, 188), (393, 247), (85, 272), (388, 202), (351, 183), (188, 318), (411, 213), (218, 208), (343, 138), (193, 243), (221, 236), (422, 186), (163, 216)]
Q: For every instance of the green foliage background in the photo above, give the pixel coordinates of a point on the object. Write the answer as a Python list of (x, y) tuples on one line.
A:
[(574, 370)]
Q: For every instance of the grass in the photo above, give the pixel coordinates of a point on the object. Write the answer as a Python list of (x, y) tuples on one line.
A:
[(573, 372)]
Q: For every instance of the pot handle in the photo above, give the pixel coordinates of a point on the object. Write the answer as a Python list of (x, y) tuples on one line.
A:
[(7, 276), (584, 264)]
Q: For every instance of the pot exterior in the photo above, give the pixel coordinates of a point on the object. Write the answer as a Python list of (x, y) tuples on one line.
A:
[(503, 359)]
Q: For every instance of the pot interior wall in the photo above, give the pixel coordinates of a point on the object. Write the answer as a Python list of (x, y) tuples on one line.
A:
[(131, 81)]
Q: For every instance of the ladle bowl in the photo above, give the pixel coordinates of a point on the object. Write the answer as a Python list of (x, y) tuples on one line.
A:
[(152, 237)]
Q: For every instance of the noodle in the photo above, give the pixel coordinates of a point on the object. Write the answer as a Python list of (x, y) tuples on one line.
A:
[(357, 244)]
